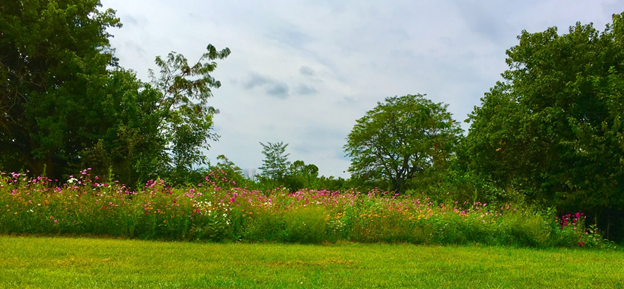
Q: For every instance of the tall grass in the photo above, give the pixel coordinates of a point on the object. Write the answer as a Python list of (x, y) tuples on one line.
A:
[(210, 212)]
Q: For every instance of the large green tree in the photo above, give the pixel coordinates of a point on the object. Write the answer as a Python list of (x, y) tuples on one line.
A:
[(187, 121), (52, 55), (400, 139), (553, 129), (67, 105)]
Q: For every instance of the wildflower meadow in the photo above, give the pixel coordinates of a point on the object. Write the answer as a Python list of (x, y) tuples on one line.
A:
[(217, 210)]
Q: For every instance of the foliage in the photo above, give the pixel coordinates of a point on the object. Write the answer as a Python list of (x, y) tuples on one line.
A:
[(553, 129), (401, 139), (129, 145), (225, 174), (185, 89), (53, 55), (275, 164), (301, 176), (62, 109), (208, 211)]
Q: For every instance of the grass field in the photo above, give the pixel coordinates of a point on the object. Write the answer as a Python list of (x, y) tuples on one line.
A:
[(44, 262)]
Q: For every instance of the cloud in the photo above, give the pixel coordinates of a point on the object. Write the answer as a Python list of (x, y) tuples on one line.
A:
[(277, 89), (303, 89), (307, 71), (255, 80), (271, 86), (294, 38)]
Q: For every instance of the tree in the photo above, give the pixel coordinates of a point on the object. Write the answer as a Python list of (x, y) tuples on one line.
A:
[(52, 55), (143, 130), (124, 127), (275, 165), (65, 104), (226, 174), (553, 129), (400, 139), (301, 176), (187, 123)]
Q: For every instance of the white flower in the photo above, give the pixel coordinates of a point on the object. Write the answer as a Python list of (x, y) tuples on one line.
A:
[(72, 180)]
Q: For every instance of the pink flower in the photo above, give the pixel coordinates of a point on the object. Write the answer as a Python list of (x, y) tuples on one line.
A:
[(55, 221)]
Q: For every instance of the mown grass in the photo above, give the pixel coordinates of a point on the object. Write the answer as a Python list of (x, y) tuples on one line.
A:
[(44, 262)]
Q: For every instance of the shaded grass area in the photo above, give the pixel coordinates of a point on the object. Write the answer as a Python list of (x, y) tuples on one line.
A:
[(44, 262)]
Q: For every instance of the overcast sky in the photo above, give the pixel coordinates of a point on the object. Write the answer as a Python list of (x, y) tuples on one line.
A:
[(303, 72)]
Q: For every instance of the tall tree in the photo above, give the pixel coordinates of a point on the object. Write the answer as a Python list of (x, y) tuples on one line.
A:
[(553, 129), (66, 104), (187, 123), (125, 129), (400, 139), (52, 53), (275, 164)]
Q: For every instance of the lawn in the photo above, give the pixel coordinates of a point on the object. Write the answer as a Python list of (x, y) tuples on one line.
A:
[(63, 262)]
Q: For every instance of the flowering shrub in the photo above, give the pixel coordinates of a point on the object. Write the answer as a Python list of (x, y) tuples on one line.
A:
[(587, 236), (208, 211)]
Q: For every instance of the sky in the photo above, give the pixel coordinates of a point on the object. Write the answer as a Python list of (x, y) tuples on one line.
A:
[(302, 72)]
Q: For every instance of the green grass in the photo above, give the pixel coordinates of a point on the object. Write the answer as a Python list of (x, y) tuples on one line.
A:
[(43, 262)]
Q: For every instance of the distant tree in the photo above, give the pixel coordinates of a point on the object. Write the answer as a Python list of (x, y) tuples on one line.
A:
[(554, 128), (334, 184), (226, 174), (301, 176), (401, 139), (275, 164)]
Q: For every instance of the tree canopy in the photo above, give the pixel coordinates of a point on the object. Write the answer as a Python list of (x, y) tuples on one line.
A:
[(66, 104), (53, 56), (275, 164), (401, 138), (553, 128)]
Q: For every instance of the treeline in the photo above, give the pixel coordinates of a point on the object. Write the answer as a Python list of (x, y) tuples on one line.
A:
[(549, 134)]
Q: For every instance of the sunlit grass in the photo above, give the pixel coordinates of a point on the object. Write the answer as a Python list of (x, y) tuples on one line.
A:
[(43, 262)]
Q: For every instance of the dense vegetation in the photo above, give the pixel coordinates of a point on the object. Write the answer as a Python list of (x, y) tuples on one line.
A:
[(548, 138), (210, 212)]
